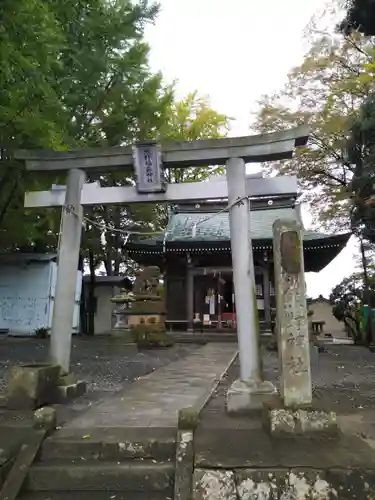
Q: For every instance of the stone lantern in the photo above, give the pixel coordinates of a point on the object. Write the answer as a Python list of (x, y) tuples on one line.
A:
[(123, 301)]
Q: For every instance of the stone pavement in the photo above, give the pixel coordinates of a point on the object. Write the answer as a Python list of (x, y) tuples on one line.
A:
[(154, 400)]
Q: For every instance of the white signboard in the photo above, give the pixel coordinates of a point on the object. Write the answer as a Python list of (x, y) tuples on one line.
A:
[(148, 168)]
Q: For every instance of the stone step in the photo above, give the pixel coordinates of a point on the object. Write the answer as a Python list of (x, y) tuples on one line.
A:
[(109, 477), (95, 495), (111, 445)]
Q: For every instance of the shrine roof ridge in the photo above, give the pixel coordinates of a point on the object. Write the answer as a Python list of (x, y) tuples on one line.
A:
[(214, 228)]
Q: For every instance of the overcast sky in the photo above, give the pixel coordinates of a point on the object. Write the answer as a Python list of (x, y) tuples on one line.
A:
[(234, 52)]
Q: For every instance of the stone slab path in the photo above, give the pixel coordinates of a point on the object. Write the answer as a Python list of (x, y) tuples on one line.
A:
[(155, 399)]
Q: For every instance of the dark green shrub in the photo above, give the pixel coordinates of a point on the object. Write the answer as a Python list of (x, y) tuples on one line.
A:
[(41, 333)]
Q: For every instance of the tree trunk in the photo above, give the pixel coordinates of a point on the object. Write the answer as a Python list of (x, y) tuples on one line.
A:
[(108, 264), (83, 311), (113, 242), (91, 302), (370, 330), (117, 258), (8, 201), (9, 182)]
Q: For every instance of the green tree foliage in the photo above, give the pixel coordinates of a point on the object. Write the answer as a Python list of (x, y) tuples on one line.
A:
[(360, 16), (30, 45), (30, 110), (326, 91), (362, 155), (73, 73), (105, 81), (192, 118), (347, 299)]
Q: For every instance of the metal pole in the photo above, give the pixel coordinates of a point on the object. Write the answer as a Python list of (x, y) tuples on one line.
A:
[(68, 256), (242, 262)]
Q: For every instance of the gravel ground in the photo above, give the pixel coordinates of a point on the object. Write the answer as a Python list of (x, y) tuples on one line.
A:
[(343, 377), (104, 366), (343, 381)]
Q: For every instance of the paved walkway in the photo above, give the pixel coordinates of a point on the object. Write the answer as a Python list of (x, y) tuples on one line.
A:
[(154, 400)]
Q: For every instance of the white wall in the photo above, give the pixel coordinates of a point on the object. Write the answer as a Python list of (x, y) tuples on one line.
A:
[(24, 297), (323, 312), (104, 310)]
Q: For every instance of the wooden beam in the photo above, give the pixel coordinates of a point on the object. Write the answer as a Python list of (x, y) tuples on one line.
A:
[(176, 193), (25, 458), (257, 148), (204, 271)]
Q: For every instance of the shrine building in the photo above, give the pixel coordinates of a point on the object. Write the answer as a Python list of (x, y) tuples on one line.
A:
[(195, 256)]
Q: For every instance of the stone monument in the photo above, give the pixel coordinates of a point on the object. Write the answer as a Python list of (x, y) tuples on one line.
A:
[(294, 412), (147, 315)]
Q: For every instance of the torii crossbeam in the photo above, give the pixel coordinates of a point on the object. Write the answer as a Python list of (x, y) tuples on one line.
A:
[(176, 193), (255, 148)]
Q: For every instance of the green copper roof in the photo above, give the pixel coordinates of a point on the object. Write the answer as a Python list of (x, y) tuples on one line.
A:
[(215, 227), (212, 235)]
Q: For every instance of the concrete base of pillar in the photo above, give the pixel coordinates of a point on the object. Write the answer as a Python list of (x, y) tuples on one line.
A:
[(66, 393), (246, 396), (304, 422)]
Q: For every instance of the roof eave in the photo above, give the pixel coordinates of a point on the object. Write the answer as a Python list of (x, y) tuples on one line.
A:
[(327, 242)]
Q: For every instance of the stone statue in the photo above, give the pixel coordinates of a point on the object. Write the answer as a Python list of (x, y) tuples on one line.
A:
[(147, 282), (147, 317)]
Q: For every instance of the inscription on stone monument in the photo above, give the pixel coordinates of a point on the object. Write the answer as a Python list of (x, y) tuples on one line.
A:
[(290, 248)]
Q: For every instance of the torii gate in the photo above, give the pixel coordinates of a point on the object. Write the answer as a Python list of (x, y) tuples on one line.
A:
[(149, 161)]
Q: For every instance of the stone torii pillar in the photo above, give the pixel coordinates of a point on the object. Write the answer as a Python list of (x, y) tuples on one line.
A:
[(247, 392), (243, 269), (67, 265)]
